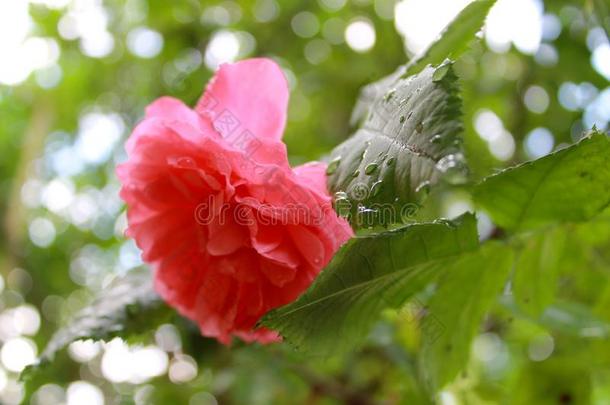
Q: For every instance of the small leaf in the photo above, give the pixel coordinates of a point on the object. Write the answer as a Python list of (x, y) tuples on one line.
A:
[(537, 268), (570, 185), (129, 306), (452, 43), (367, 275), (410, 140), (465, 292)]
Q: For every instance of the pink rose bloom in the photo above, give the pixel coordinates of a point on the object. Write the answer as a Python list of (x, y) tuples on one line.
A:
[(230, 229)]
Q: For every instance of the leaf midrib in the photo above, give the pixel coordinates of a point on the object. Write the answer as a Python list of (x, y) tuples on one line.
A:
[(429, 262)]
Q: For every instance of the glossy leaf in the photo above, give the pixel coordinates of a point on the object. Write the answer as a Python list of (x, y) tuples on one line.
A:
[(568, 185), (367, 275), (536, 269), (410, 140), (128, 307), (465, 293), (453, 41)]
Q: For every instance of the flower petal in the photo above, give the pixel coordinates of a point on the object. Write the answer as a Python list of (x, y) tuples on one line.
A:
[(313, 175), (247, 97)]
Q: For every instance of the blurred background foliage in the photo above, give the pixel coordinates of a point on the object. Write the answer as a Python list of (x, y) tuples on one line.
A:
[(76, 75)]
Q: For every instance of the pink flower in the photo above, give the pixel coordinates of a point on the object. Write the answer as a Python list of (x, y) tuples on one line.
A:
[(229, 228)]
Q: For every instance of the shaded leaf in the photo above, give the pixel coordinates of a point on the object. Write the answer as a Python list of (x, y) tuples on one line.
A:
[(367, 275), (452, 42), (129, 306), (572, 184), (411, 139), (465, 292), (537, 268)]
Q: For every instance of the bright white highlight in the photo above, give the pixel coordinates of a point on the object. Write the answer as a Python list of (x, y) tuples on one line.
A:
[(539, 142), (360, 35), (144, 42), (82, 392), (491, 129), (421, 21), (98, 134), (120, 363), (515, 21), (223, 48), (18, 353), (42, 232)]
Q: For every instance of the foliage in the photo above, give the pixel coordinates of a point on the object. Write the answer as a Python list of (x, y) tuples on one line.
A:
[(507, 304)]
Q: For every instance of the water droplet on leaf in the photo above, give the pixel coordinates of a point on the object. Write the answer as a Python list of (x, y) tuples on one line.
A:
[(370, 168), (333, 165), (454, 168), (389, 95), (436, 139), (423, 189), (376, 188), (441, 72)]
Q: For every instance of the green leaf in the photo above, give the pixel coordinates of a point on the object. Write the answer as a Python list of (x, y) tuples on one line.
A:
[(452, 43), (127, 307), (465, 292), (537, 268), (369, 274), (409, 141), (572, 184)]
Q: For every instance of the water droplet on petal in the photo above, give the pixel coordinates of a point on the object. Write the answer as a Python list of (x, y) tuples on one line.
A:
[(402, 119), (391, 161), (184, 162), (356, 173), (419, 127)]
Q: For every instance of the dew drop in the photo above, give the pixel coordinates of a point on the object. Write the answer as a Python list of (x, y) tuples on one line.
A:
[(402, 119), (370, 168), (454, 168), (367, 216), (423, 189), (389, 95), (376, 188), (391, 161), (446, 222), (419, 127), (440, 72), (356, 173), (333, 165), (184, 162), (436, 139)]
